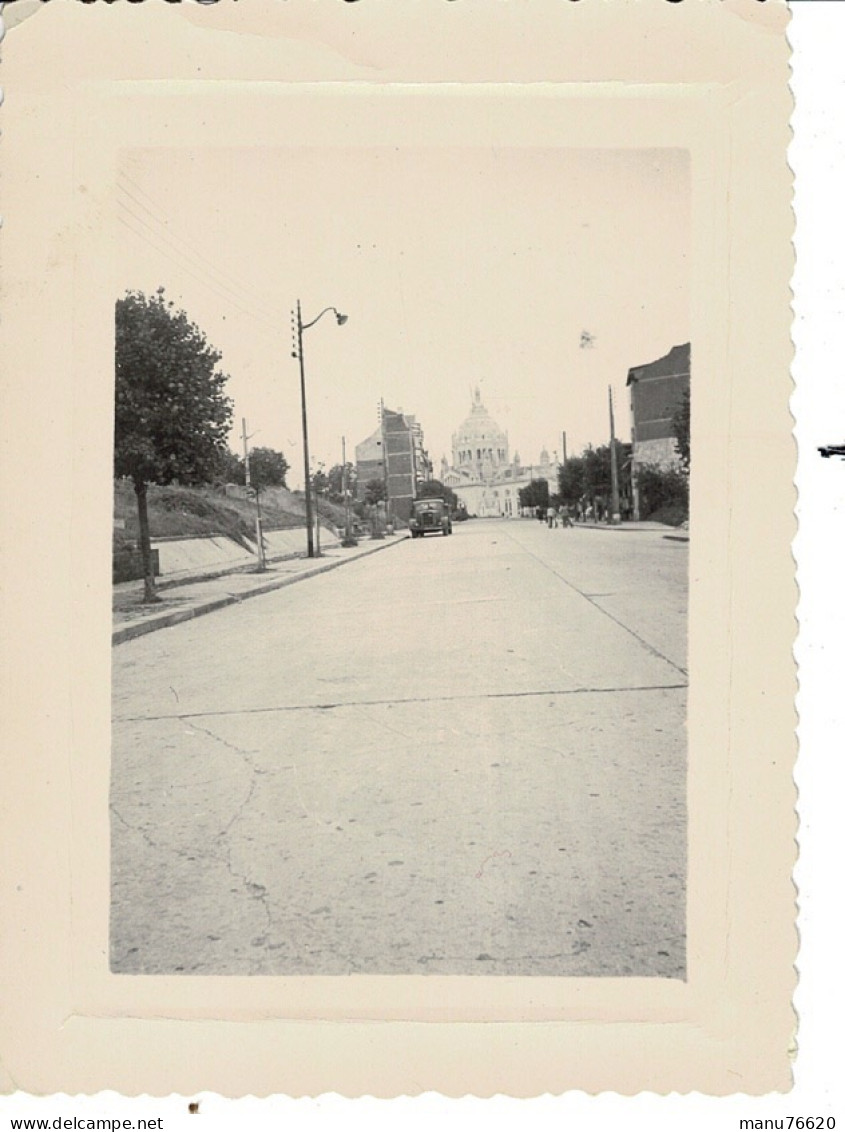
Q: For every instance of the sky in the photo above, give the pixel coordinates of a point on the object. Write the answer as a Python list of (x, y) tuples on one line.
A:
[(456, 267)]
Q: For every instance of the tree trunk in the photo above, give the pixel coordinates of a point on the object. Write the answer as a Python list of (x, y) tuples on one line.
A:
[(146, 551)]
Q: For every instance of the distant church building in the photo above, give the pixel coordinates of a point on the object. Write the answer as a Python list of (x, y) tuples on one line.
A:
[(482, 474)]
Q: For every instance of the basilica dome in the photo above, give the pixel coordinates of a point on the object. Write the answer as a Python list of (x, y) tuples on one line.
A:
[(479, 442)]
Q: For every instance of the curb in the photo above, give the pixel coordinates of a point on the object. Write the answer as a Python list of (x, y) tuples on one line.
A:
[(617, 529), (177, 616), (171, 582)]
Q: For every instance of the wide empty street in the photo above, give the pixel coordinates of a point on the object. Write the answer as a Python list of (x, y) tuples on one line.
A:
[(459, 755)]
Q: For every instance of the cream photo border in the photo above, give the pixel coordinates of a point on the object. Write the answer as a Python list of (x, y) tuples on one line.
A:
[(83, 87)]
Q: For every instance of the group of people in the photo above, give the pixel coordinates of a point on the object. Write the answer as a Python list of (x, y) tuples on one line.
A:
[(554, 516), (586, 510)]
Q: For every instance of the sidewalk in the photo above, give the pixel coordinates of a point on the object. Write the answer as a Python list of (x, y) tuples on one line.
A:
[(131, 618), (680, 534)]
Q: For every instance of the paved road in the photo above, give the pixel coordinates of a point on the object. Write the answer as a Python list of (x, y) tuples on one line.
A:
[(465, 755)]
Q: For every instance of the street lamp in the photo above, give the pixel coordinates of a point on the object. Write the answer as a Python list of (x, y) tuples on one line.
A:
[(298, 326)]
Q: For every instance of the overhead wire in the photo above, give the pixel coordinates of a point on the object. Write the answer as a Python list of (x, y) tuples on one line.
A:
[(205, 280), (157, 214)]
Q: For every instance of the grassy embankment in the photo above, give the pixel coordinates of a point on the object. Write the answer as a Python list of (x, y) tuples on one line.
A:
[(672, 514), (185, 512)]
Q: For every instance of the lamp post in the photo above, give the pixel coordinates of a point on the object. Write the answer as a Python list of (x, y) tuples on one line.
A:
[(298, 327)]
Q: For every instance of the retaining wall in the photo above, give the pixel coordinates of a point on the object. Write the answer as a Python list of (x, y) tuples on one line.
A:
[(190, 556)]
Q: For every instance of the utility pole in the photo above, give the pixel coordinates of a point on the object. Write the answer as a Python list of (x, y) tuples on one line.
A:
[(317, 551), (349, 539), (386, 467), (614, 469), (259, 534), (309, 516), (297, 327), (563, 448), (377, 532)]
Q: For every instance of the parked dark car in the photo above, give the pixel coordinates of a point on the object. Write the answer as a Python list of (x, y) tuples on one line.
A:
[(429, 516)]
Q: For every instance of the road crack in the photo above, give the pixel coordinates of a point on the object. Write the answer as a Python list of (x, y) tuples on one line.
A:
[(232, 746), (255, 890), (459, 697), (220, 850), (135, 828)]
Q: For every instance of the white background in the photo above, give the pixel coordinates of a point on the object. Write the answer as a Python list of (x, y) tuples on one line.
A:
[(817, 157)]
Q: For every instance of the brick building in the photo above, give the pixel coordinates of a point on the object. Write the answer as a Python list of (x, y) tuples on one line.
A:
[(395, 455), (657, 390), (369, 462)]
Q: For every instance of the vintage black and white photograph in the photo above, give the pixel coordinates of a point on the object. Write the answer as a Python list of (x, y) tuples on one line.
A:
[(400, 556), (401, 670)]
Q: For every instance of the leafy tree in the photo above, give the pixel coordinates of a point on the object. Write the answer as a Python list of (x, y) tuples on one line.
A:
[(434, 489), (570, 480), (588, 476), (319, 482), (597, 471), (374, 491), (230, 468), (681, 429), (597, 477), (534, 494), (664, 491), (267, 468), (172, 416), (334, 488)]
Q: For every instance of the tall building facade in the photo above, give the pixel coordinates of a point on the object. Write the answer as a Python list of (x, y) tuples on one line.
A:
[(394, 455), (400, 479), (657, 390), (423, 467)]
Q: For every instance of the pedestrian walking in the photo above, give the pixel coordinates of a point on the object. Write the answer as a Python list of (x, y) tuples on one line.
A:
[(551, 516)]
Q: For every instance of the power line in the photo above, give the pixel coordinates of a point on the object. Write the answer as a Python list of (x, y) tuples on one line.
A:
[(172, 238), (234, 292), (206, 282), (156, 213), (184, 267)]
